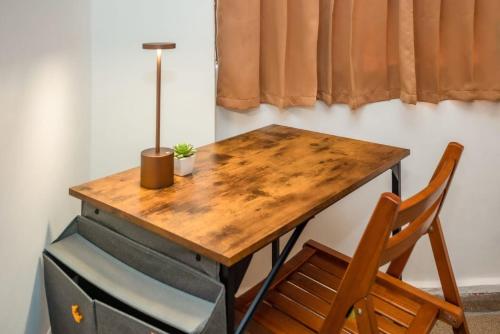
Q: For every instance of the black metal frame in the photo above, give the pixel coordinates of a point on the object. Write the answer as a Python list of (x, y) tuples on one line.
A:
[(396, 185), (231, 277), (396, 189), (396, 179), (269, 279), (275, 251)]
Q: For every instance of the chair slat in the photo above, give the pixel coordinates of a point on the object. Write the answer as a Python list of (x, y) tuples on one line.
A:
[(386, 326), (279, 322), (295, 310), (392, 312), (312, 286), (406, 239), (321, 276), (330, 264), (289, 267), (304, 298), (425, 319), (395, 308), (383, 307), (392, 298), (449, 313), (420, 202), (396, 299)]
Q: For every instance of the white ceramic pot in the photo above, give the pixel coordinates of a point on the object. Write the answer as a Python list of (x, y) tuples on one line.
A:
[(184, 166)]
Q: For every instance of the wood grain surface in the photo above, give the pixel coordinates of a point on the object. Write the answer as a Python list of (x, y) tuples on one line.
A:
[(246, 190)]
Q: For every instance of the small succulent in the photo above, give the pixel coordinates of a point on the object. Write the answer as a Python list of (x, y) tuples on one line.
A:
[(183, 150)]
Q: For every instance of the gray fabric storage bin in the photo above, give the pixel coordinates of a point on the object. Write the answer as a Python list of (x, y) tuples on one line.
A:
[(155, 285), (153, 241), (62, 294), (112, 321)]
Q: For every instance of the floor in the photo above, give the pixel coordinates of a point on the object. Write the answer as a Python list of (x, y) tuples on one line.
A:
[(479, 323)]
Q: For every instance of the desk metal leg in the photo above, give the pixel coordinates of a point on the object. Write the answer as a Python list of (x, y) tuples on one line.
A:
[(275, 251), (267, 283), (231, 277), (396, 189), (396, 185), (396, 179)]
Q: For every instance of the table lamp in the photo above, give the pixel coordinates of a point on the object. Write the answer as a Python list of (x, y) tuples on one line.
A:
[(157, 164)]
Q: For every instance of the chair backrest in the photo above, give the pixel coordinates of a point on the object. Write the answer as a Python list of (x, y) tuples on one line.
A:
[(416, 217)]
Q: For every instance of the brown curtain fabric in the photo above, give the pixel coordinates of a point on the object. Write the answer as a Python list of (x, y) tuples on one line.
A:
[(292, 52)]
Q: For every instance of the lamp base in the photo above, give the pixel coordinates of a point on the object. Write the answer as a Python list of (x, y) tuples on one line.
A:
[(157, 169)]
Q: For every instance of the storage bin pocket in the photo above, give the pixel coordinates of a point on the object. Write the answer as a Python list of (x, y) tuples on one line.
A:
[(151, 240), (71, 309), (113, 321), (147, 261), (173, 296)]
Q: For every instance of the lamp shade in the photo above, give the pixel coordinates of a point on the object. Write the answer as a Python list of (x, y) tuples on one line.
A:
[(158, 46)]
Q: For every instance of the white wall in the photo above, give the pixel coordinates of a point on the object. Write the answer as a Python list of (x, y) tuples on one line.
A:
[(67, 68), (44, 134), (470, 216), (124, 78)]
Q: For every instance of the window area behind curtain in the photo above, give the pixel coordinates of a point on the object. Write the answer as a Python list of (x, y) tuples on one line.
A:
[(293, 52)]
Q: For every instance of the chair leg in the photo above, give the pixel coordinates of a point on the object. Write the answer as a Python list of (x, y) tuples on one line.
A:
[(365, 316), (445, 271), (463, 329)]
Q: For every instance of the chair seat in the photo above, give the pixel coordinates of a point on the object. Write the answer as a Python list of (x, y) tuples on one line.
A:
[(303, 291)]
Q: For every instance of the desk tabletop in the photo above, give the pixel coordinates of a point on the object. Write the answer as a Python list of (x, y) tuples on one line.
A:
[(246, 190)]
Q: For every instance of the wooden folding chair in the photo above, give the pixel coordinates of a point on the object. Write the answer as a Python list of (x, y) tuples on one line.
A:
[(323, 291)]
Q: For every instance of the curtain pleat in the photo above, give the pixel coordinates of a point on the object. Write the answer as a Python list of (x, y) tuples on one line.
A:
[(288, 52), (487, 49), (406, 43), (293, 52), (427, 22), (457, 46), (239, 47), (369, 51), (393, 54), (325, 50)]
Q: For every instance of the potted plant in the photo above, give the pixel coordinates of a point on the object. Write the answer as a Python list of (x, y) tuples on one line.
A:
[(184, 157)]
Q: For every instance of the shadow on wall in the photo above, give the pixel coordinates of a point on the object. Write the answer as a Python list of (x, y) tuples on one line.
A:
[(37, 321)]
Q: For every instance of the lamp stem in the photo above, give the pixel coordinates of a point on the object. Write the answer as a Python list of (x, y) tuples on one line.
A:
[(158, 100)]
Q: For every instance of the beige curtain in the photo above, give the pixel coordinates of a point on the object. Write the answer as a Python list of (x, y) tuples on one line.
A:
[(292, 52)]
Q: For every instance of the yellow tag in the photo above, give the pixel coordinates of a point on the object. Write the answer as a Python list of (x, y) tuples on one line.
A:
[(76, 313)]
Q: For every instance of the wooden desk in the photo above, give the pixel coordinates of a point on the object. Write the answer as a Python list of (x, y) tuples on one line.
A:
[(246, 192)]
